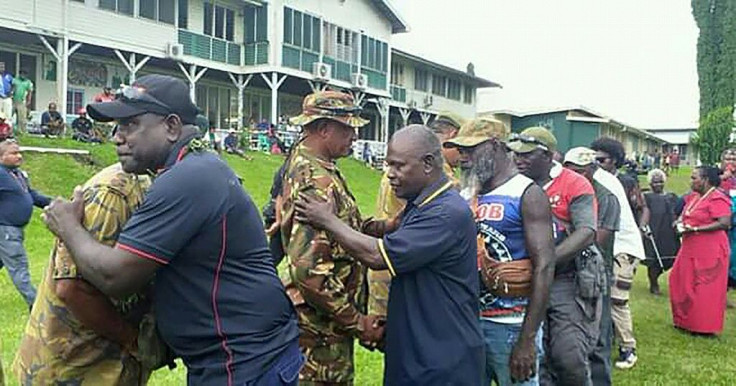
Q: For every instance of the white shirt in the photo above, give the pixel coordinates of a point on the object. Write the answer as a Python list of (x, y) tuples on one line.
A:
[(627, 239)]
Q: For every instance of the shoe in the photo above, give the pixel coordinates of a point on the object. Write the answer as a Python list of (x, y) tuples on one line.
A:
[(654, 290), (626, 359)]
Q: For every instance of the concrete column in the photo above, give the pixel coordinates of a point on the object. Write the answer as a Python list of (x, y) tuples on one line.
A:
[(131, 64), (274, 83), (240, 84), (193, 77)]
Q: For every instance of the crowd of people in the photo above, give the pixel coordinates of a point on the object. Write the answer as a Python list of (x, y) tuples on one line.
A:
[(491, 257)]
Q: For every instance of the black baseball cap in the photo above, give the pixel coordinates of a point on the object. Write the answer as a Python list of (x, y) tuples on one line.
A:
[(157, 94)]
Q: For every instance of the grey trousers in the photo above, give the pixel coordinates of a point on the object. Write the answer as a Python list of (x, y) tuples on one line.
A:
[(571, 332), (600, 358), (13, 257)]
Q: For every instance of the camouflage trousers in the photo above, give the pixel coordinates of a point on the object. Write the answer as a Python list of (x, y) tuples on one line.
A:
[(379, 283), (327, 364)]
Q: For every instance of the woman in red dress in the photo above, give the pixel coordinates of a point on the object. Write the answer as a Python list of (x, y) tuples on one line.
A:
[(699, 276)]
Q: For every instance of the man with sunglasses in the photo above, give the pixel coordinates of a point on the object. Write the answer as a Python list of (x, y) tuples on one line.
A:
[(628, 247), (515, 252), (218, 301), (572, 323), (17, 200), (326, 284)]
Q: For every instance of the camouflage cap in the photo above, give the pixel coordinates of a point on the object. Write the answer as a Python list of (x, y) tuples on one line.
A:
[(479, 130), (334, 105), (533, 138), (448, 118), (581, 156)]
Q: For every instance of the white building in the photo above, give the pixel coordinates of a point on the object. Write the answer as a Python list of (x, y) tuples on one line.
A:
[(246, 60)]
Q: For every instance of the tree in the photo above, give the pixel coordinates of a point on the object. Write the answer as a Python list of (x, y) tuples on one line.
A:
[(713, 135), (716, 20)]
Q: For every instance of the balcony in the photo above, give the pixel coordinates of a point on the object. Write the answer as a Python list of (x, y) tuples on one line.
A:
[(207, 47), (398, 93)]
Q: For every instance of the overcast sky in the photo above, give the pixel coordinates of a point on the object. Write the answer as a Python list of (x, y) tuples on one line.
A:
[(632, 60)]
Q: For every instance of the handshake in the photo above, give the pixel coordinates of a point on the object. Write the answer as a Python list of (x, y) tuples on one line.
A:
[(371, 331)]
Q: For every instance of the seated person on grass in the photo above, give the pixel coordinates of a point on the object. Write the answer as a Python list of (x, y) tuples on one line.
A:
[(83, 129), (232, 145), (52, 123)]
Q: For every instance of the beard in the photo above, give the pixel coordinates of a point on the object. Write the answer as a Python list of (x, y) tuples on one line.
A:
[(479, 175)]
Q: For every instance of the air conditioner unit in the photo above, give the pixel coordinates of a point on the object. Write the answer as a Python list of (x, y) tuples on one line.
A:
[(175, 51), (428, 101), (411, 104), (360, 81), (321, 71)]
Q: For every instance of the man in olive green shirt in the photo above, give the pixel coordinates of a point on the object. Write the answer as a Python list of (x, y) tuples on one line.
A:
[(22, 94)]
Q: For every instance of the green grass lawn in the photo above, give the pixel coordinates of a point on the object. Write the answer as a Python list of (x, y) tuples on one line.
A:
[(666, 356)]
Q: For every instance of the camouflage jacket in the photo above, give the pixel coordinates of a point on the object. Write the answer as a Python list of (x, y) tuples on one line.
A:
[(56, 348), (325, 283)]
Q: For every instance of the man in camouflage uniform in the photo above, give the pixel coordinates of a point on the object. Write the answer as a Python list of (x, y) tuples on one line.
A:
[(75, 334), (326, 285), (445, 127)]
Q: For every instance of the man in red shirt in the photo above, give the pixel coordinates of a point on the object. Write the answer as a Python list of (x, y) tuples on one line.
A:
[(572, 324), (105, 96)]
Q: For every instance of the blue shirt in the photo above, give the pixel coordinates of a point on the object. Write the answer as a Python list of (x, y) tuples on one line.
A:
[(6, 85), (219, 302), (433, 334), (17, 198), (500, 224)]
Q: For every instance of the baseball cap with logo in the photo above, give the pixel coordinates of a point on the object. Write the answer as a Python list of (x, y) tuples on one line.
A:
[(581, 156), (157, 94), (477, 131), (334, 105), (533, 138)]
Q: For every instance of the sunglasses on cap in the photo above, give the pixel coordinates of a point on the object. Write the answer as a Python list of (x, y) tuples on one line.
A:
[(527, 139), (138, 94), (341, 111)]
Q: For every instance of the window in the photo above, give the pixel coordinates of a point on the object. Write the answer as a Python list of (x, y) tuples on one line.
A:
[(161, 10), (453, 89), (219, 21), (375, 54), (74, 100), (208, 15), (468, 94), (256, 24), (288, 25), (183, 13), (397, 74), (147, 9), (439, 85), (301, 30), (120, 6), (420, 80), (229, 24), (166, 11)]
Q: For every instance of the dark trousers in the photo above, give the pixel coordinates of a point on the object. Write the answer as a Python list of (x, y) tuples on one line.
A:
[(285, 371), (600, 358), (571, 332)]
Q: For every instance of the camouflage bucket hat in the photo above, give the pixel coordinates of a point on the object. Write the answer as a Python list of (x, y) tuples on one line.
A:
[(334, 105), (479, 130), (531, 139), (448, 118)]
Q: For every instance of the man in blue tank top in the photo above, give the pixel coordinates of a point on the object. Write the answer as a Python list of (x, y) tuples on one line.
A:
[(515, 251)]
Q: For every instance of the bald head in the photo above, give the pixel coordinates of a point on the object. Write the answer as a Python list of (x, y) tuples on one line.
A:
[(414, 161), (419, 141)]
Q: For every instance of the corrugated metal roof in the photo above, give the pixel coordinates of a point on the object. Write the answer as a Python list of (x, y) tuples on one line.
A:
[(479, 82), (398, 25)]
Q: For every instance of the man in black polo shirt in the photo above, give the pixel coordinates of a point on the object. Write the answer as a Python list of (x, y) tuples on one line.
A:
[(218, 301), (432, 333)]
